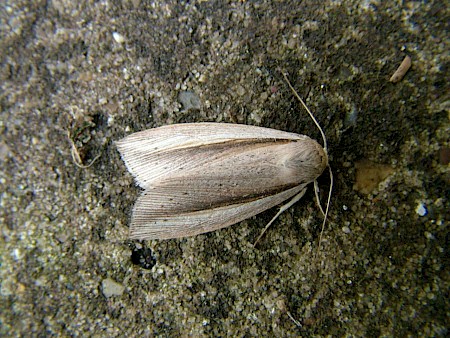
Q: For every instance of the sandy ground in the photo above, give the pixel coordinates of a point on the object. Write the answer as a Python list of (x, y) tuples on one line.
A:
[(76, 78)]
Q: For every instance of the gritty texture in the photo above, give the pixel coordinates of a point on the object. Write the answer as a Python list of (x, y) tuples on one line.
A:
[(75, 77)]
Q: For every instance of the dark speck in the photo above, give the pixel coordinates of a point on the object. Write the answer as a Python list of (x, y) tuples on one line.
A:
[(143, 257)]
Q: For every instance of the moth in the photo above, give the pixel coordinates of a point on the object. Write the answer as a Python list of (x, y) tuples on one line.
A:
[(200, 177)]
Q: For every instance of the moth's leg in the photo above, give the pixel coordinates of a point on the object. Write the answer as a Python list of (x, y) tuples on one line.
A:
[(294, 200), (325, 214), (316, 192)]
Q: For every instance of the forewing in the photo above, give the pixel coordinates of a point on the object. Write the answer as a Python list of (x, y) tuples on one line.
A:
[(156, 153), (148, 223)]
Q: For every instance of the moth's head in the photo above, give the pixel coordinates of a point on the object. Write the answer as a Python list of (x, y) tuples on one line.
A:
[(307, 158), (323, 156)]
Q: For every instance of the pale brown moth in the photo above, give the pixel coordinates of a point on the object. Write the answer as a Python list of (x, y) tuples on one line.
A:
[(200, 177)]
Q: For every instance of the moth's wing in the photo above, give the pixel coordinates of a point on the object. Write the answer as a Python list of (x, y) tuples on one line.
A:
[(156, 153), (148, 223), (197, 134)]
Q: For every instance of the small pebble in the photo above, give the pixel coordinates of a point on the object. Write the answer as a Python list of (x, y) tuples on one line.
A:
[(346, 230), (189, 100), (111, 288), (421, 210), (119, 38)]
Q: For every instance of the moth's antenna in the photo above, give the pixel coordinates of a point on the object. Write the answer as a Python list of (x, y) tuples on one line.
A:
[(316, 186), (309, 112)]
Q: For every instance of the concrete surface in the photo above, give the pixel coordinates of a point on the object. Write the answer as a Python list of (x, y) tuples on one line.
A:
[(77, 77)]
